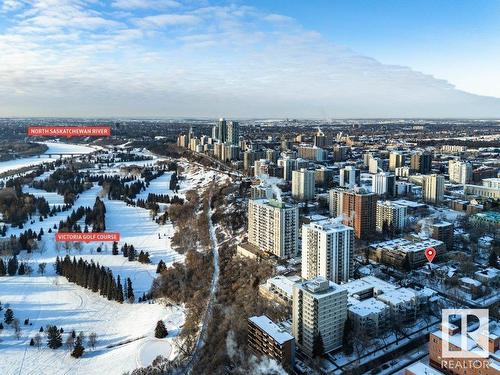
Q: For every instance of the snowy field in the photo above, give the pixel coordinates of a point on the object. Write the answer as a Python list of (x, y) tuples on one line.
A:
[(53, 300), (53, 147), (50, 299)]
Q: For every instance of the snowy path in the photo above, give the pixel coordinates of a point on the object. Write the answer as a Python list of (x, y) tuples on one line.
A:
[(211, 299)]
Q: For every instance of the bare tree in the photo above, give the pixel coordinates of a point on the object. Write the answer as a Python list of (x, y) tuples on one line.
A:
[(70, 342), (17, 328), (92, 340), (38, 340)]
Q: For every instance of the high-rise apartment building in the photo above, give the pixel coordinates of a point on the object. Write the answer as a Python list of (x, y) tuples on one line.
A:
[(421, 162), (327, 251), (233, 132), (303, 184), (360, 211), (319, 309), (443, 231), (319, 139), (349, 177), (433, 188), (273, 227), (460, 172), (312, 153), (374, 165), (391, 217), (219, 131), (383, 184), (335, 202), (396, 160)]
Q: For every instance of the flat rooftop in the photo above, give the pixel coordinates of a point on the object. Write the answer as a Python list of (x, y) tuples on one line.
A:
[(272, 329)]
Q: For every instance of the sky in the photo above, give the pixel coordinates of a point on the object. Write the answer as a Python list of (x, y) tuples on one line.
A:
[(244, 59)]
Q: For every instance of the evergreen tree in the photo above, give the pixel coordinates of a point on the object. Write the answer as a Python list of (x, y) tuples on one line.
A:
[(119, 290), (160, 330), (8, 316), (3, 269), (32, 342), (318, 347), (21, 270), (493, 259), (114, 250), (161, 267), (12, 266), (78, 349), (54, 339), (130, 291)]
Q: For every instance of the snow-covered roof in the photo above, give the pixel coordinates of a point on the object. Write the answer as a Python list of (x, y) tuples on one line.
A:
[(406, 245), (363, 284), (489, 273), (468, 280), (398, 296), (283, 283), (404, 202), (271, 328), (421, 369), (367, 307)]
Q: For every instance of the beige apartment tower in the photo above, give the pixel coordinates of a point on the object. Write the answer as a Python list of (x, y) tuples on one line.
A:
[(273, 227), (319, 308)]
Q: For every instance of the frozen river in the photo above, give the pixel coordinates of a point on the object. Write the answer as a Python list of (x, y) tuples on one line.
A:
[(53, 147)]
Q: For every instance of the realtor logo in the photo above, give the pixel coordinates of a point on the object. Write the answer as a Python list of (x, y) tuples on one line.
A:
[(465, 344)]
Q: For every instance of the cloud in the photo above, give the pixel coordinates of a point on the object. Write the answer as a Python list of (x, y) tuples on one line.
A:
[(277, 18), (162, 20), (83, 58), (145, 4)]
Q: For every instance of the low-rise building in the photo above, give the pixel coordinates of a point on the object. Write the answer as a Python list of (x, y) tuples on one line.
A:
[(369, 316), (404, 253), (267, 338), (279, 288)]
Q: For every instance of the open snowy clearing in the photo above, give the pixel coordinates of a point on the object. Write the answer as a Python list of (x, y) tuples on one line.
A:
[(50, 299), (53, 300)]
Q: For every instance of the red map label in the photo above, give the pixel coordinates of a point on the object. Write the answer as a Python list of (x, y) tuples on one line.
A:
[(69, 131), (87, 237)]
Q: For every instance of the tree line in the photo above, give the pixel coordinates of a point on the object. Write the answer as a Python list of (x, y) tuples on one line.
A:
[(97, 278)]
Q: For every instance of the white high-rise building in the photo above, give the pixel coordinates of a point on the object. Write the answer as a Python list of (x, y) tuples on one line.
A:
[(383, 184), (336, 201), (349, 177), (327, 251), (460, 171), (433, 188), (303, 184), (273, 227), (319, 309), (391, 217)]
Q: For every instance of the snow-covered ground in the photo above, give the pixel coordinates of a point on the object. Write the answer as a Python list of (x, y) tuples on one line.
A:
[(50, 299), (53, 147), (53, 300)]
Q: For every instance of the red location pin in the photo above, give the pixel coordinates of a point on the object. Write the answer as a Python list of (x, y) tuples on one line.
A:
[(430, 253)]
